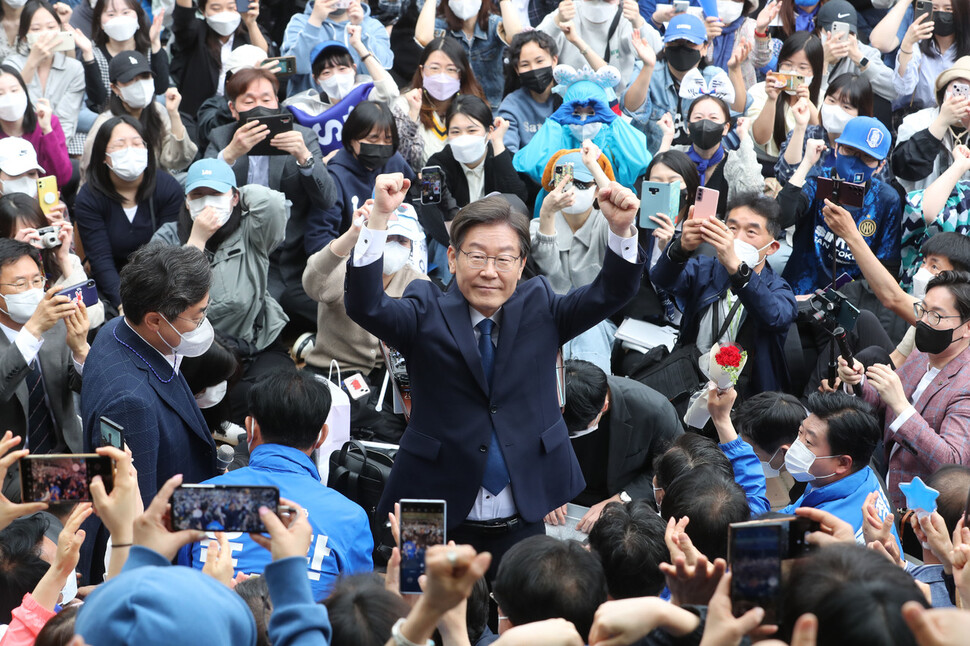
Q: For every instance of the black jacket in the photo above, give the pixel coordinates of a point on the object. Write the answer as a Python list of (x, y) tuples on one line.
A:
[(500, 176), (913, 159)]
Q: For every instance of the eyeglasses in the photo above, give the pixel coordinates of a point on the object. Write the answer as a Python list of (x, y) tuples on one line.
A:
[(582, 186), (478, 260), (933, 318), (22, 284), (438, 69), (198, 323)]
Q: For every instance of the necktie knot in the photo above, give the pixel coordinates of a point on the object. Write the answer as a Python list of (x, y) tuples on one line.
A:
[(485, 326)]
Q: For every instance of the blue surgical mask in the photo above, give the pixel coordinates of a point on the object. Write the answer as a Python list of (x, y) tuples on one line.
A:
[(806, 3), (852, 169)]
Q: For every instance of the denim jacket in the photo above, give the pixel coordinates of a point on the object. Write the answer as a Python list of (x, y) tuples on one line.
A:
[(485, 54)]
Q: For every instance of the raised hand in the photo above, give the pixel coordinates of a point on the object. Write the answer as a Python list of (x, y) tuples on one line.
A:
[(619, 206), (389, 192), (285, 540), (767, 15), (151, 529), (10, 511)]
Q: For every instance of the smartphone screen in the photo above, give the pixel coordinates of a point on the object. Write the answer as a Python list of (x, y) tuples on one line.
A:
[(222, 508), (705, 204), (754, 557), (431, 180), (63, 478), (112, 434), (422, 525)]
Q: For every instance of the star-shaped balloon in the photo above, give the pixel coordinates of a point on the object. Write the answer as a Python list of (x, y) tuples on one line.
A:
[(919, 497)]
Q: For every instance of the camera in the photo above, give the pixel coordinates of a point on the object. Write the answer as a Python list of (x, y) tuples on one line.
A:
[(48, 237), (833, 309), (841, 192)]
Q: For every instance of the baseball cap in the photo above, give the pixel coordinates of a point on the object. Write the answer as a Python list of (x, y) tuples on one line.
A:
[(321, 48), (127, 65), (210, 173), (17, 156), (686, 26), (404, 222), (837, 11), (244, 56), (580, 172), (867, 134)]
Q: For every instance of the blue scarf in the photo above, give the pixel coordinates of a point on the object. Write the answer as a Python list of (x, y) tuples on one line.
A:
[(724, 44), (703, 164), (805, 21)]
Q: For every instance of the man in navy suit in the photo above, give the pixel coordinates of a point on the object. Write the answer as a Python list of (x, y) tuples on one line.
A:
[(132, 374), (486, 432)]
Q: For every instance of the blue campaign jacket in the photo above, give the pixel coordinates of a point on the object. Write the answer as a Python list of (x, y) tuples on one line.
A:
[(342, 542), (748, 474)]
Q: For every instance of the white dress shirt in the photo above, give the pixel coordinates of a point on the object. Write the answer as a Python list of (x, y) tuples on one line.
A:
[(29, 345)]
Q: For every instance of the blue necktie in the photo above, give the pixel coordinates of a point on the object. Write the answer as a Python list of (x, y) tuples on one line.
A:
[(496, 472)]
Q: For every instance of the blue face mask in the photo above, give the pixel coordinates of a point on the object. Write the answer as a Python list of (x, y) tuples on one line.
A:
[(806, 3), (852, 169)]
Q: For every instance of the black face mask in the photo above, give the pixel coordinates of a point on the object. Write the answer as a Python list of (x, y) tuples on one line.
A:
[(705, 134), (372, 156), (943, 23), (258, 111), (933, 341), (682, 57), (536, 80)]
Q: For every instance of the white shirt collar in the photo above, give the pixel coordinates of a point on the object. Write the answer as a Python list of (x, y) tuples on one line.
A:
[(173, 359), (477, 317)]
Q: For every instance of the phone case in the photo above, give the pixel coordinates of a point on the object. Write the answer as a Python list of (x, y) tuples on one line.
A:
[(658, 197), (705, 204), (563, 172), (86, 292), (431, 180), (278, 123), (47, 193)]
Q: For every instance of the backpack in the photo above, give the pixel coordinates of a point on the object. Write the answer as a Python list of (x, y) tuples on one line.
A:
[(360, 475)]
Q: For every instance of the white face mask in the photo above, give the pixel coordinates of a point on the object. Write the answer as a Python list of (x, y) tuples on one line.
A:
[(12, 106), (395, 257), (20, 307), (770, 471), (798, 461), (221, 203), (69, 591), (224, 23), (337, 85), (583, 200), (212, 395), (121, 28), (24, 185), (138, 94), (129, 163), (194, 343), (808, 81), (598, 12), (465, 9), (16, 4), (834, 118), (920, 280), (468, 149), (584, 131), (729, 11), (748, 253)]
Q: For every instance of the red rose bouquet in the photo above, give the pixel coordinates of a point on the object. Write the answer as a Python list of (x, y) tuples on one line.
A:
[(727, 362)]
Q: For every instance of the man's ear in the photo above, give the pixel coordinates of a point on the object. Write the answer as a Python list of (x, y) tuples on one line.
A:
[(606, 403), (775, 246), (845, 464), (233, 111), (252, 429), (453, 260), (153, 320), (322, 437)]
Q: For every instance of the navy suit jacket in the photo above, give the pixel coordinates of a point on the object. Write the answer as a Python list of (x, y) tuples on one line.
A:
[(444, 448), (163, 426)]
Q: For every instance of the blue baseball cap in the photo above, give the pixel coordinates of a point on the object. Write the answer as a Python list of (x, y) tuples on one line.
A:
[(580, 172), (319, 48), (867, 134), (210, 173), (686, 26)]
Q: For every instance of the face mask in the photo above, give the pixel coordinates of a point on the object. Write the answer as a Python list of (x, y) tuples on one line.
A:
[(194, 343), (583, 201), (598, 12), (468, 149), (920, 280), (748, 253), (258, 111), (16, 4), (129, 163), (729, 11), (930, 340), (24, 185), (705, 134), (20, 307), (943, 24), (682, 57), (121, 28), (834, 118), (373, 156), (584, 131), (224, 22), (798, 461), (12, 106), (852, 169), (806, 3), (808, 82), (338, 85), (90, 2), (536, 80), (139, 94), (465, 9), (69, 591), (770, 471), (221, 203), (212, 395), (441, 87), (395, 257)]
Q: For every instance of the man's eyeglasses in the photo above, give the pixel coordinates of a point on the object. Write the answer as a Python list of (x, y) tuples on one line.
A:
[(23, 284), (198, 323), (478, 260), (932, 318)]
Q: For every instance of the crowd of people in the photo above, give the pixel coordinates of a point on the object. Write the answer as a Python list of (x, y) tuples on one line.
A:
[(648, 270)]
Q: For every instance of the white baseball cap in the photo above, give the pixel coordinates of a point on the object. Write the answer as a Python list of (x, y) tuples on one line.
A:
[(17, 156), (404, 222), (244, 56)]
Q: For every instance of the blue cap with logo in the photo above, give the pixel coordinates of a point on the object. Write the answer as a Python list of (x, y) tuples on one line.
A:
[(210, 173), (867, 134), (319, 48), (686, 26)]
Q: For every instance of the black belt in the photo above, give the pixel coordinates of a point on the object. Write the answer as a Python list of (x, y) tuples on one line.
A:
[(496, 526)]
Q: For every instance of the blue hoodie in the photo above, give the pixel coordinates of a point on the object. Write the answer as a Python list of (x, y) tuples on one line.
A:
[(300, 38)]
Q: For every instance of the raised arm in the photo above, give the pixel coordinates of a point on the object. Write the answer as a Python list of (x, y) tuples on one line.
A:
[(936, 194)]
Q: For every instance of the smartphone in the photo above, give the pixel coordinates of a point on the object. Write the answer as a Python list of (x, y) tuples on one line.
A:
[(840, 28), (341, 4), (47, 194), (843, 280), (755, 552), (242, 6), (960, 89), (432, 178), (681, 6), (563, 172), (840, 191), (277, 123), (287, 64), (705, 204), (112, 434), (422, 525), (85, 292), (222, 508), (658, 197), (63, 478), (65, 44), (923, 8)]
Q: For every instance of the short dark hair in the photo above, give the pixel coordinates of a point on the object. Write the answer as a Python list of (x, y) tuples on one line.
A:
[(951, 245), (491, 210), (21, 567), (240, 81), (291, 406), (689, 451), (255, 592), (712, 501), (853, 428), (763, 206), (629, 539), (165, 279), (855, 89), (958, 282), (769, 419), (59, 629), (543, 578), (472, 107), (541, 39), (330, 57), (364, 118), (362, 611), (856, 595), (13, 250), (476, 613), (99, 174), (586, 388), (953, 483)]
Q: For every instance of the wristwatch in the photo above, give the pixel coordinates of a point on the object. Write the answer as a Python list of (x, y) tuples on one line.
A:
[(309, 163), (864, 63), (625, 497), (743, 275)]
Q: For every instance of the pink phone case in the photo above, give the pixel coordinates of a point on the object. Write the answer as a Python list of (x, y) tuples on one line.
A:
[(705, 204)]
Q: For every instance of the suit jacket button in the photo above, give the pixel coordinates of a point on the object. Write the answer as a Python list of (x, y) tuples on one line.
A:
[(483, 448), (493, 409)]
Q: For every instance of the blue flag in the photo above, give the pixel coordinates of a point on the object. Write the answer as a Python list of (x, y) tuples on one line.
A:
[(329, 124)]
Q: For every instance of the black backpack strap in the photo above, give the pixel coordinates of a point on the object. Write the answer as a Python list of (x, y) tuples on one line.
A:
[(719, 332), (609, 34)]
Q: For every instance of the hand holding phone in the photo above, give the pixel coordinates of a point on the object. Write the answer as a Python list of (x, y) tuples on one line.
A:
[(705, 203), (422, 525), (222, 508)]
